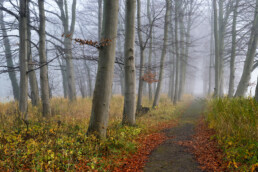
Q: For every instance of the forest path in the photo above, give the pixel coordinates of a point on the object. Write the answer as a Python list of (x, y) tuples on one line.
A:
[(172, 157)]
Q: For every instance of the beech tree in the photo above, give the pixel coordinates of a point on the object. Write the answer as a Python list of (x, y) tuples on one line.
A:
[(129, 67), (103, 86), (23, 54), (43, 61)]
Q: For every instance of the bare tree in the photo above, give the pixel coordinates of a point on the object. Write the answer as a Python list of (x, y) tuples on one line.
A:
[(163, 55), (252, 45), (8, 55), (68, 32), (32, 74), (23, 102), (43, 61), (233, 51)]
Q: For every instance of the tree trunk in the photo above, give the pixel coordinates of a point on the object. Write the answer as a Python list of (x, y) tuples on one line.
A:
[(9, 58), (129, 68), (182, 52), (104, 80), (23, 102), (63, 7), (252, 45), (89, 78), (163, 55), (44, 84), (233, 53), (211, 61), (217, 57), (100, 15), (32, 74), (142, 56), (150, 48), (177, 55)]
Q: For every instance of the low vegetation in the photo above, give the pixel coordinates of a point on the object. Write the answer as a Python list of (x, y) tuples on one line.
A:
[(235, 123), (61, 143)]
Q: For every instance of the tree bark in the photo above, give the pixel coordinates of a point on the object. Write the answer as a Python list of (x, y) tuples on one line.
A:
[(23, 101), (62, 4), (142, 56), (217, 57), (182, 52), (104, 80), (163, 55), (100, 15), (44, 84), (252, 46), (150, 48), (233, 53), (9, 58), (177, 54), (32, 74), (129, 68)]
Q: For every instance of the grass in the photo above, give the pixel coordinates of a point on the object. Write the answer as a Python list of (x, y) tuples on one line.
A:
[(235, 122), (60, 143)]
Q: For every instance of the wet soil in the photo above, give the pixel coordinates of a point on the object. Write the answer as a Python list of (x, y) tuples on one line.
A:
[(172, 157)]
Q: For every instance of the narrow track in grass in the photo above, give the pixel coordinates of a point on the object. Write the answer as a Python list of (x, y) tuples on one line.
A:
[(172, 157)]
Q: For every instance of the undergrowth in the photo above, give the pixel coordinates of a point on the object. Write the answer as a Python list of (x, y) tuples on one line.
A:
[(235, 122), (60, 143)]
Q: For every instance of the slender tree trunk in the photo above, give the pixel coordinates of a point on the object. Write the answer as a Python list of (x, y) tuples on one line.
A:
[(9, 58), (252, 46), (211, 54), (182, 52), (177, 54), (129, 68), (163, 55), (23, 102), (142, 56), (32, 74), (104, 80), (89, 78), (100, 15), (44, 84), (150, 49), (217, 57), (62, 4), (233, 53)]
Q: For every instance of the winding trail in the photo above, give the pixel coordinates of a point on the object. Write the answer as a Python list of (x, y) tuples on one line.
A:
[(172, 157)]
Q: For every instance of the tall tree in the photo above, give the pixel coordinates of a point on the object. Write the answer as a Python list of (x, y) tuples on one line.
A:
[(182, 50), (34, 89), (9, 57), (252, 46), (129, 68), (233, 51), (142, 55), (100, 15), (68, 31), (217, 58), (103, 86), (43, 60), (150, 46), (177, 54), (163, 55), (23, 102)]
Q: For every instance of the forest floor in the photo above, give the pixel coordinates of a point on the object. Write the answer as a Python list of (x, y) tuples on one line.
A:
[(172, 156)]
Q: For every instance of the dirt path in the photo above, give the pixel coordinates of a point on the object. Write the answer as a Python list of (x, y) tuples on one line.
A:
[(172, 157)]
